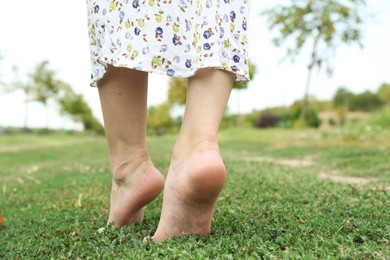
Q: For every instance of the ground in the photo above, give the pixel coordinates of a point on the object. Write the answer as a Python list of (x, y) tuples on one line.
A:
[(289, 193)]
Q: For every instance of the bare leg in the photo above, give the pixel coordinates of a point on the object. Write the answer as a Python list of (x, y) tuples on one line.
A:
[(135, 181), (197, 173)]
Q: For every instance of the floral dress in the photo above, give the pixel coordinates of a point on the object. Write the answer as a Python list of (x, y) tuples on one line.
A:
[(172, 37)]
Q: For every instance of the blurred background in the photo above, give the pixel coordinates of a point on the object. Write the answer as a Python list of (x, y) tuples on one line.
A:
[(328, 58)]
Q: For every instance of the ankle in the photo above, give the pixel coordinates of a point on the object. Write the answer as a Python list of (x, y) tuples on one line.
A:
[(185, 146), (122, 169)]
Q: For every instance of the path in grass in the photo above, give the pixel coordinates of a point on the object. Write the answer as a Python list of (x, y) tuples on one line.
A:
[(54, 198), (309, 161)]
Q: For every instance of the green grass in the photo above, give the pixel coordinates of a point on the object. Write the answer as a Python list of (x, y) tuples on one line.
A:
[(54, 194)]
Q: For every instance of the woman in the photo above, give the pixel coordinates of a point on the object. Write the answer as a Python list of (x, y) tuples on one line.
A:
[(202, 40)]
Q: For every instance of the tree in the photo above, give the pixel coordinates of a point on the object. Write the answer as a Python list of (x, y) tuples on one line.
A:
[(177, 91), (40, 86), (159, 118), (366, 101), (340, 98), (17, 84), (44, 86), (74, 105), (322, 24), (383, 93), (26, 88), (341, 102)]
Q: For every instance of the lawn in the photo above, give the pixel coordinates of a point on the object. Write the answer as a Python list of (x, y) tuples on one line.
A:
[(290, 194)]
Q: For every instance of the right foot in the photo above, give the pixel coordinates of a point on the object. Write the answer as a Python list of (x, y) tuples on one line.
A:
[(132, 189), (192, 187)]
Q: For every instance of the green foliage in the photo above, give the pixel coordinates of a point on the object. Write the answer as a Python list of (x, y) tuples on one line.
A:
[(311, 116), (228, 121), (17, 84), (44, 83), (287, 117), (321, 105), (384, 93), (248, 120), (177, 91), (366, 101), (325, 23), (267, 119), (380, 118), (341, 97), (74, 105), (55, 196), (340, 102), (159, 119), (41, 84)]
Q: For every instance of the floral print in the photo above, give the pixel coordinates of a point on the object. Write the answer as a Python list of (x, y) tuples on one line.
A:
[(173, 37)]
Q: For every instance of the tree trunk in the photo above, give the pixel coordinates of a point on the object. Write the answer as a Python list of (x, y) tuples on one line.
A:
[(313, 62), (346, 108), (47, 116), (25, 127), (239, 116), (305, 101)]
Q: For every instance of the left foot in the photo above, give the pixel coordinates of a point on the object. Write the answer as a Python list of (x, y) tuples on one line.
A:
[(134, 188)]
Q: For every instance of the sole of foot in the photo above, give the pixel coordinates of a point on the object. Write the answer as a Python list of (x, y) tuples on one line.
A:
[(190, 194), (132, 192)]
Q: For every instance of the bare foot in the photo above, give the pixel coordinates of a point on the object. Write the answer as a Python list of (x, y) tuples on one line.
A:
[(192, 187), (132, 189)]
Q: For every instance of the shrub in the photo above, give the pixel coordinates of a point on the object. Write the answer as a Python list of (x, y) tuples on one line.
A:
[(380, 118), (332, 122), (366, 101), (267, 119), (160, 121), (311, 116), (287, 117), (228, 121)]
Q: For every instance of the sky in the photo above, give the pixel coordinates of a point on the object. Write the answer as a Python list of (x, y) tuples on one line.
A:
[(53, 30)]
